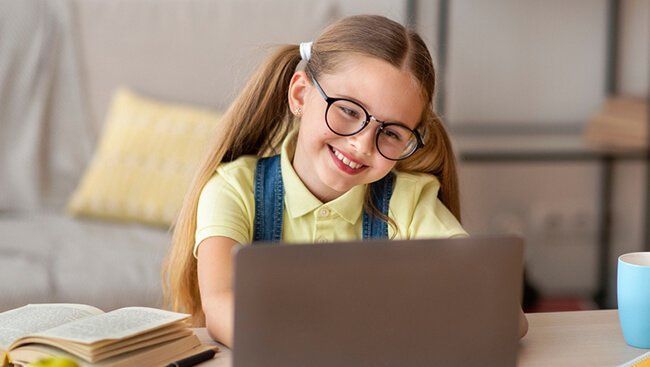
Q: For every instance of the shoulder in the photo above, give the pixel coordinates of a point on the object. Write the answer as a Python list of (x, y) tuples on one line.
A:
[(416, 205), (242, 166), (238, 173), (232, 178), (413, 184)]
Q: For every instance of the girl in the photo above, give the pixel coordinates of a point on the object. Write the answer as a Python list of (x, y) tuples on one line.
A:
[(362, 155)]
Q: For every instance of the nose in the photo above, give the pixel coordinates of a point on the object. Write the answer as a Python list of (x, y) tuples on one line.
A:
[(364, 141)]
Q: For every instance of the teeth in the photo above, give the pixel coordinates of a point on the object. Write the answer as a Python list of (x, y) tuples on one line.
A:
[(343, 159), (354, 165)]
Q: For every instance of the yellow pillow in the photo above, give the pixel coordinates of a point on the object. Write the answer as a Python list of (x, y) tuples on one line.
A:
[(144, 162)]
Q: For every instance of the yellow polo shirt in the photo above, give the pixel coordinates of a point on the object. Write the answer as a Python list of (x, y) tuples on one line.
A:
[(227, 206)]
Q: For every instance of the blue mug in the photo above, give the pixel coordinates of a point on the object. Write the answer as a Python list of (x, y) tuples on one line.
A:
[(634, 298)]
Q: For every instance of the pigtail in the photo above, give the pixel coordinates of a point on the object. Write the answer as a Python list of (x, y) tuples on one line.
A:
[(255, 123), (259, 115), (446, 171), (437, 158)]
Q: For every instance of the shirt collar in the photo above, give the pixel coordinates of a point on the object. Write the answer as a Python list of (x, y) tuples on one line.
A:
[(300, 201)]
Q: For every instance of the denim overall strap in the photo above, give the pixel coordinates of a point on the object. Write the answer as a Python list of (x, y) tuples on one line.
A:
[(380, 192), (269, 200)]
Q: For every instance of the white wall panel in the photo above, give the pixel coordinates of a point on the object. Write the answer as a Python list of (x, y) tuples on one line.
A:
[(634, 48), (530, 61)]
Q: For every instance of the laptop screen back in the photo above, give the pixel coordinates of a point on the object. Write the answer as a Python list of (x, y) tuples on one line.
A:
[(379, 303)]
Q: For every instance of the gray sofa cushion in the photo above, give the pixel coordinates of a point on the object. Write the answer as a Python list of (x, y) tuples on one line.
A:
[(53, 258)]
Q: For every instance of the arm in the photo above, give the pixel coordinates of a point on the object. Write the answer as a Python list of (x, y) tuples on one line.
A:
[(523, 324), (215, 285)]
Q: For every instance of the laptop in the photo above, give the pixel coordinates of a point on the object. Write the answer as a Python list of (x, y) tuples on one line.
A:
[(436, 302)]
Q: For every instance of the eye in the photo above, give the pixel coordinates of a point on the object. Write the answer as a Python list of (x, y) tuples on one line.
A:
[(348, 111), (392, 134)]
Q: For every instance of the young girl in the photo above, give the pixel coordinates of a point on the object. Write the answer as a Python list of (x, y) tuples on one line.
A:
[(361, 155)]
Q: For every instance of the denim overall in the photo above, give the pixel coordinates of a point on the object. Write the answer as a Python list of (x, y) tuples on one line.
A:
[(269, 200)]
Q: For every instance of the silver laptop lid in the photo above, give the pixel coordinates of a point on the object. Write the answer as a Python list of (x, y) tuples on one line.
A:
[(440, 302)]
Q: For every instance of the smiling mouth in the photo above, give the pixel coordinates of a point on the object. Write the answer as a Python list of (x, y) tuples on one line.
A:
[(347, 162)]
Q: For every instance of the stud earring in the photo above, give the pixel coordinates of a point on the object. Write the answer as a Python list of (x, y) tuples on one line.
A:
[(299, 112)]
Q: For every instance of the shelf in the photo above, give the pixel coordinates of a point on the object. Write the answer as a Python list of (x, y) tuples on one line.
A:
[(536, 146)]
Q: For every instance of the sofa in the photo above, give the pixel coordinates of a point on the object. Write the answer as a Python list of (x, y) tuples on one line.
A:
[(60, 63)]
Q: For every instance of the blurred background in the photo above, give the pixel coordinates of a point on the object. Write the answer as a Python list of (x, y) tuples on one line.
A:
[(104, 102)]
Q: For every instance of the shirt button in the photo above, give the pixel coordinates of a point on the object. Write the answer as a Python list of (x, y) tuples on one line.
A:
[(324, 212), (322, 240)]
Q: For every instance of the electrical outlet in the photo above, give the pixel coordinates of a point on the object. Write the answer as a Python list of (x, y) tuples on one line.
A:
[(561, 247), (563, 222), (509, 222)]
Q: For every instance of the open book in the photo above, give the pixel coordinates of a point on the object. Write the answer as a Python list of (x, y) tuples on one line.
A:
[(133, 336)]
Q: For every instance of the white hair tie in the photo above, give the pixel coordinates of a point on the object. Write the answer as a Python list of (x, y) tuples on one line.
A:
[(305, 50)]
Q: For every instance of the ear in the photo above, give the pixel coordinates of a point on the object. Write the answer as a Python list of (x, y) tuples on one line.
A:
[(298, 89)]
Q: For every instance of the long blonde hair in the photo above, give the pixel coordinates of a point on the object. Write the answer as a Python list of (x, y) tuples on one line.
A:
[(259, 119)]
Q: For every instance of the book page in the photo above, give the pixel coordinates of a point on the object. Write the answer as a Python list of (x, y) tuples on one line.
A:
[(155, 355), (32, 318), (116, 324)]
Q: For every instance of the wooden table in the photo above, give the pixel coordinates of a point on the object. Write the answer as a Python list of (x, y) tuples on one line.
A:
[(585, 338), (581, 338)]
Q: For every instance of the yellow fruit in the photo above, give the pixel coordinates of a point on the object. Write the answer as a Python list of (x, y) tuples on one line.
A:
[(54, 362)]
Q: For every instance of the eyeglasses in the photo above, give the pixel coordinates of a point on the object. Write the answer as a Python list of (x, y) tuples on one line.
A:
[(345, 117)]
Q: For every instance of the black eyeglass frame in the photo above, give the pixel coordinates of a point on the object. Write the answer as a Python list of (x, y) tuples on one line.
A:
[(366, 122)]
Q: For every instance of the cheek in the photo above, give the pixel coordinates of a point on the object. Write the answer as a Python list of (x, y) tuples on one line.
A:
[(381, 168), (316, 133), (386, 165)]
